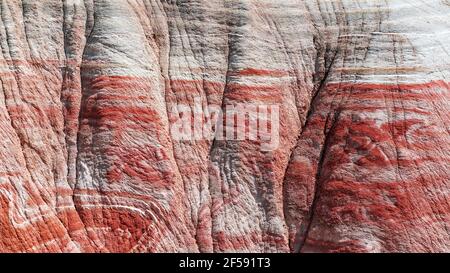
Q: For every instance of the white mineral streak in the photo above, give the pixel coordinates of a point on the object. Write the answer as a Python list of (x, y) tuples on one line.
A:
[(89, 90)]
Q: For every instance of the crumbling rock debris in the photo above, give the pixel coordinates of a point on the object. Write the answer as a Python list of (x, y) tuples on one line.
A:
[(88, 162)]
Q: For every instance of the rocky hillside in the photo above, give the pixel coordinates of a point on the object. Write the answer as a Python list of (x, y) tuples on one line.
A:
[(90, 89)]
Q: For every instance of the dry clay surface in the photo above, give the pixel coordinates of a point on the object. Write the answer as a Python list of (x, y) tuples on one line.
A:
[(88, 162)]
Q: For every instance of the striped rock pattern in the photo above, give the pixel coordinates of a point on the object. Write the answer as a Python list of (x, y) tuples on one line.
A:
[(89, 90)]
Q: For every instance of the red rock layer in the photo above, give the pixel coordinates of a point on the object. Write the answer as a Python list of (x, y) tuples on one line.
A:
[(90, 90), (372, 170)]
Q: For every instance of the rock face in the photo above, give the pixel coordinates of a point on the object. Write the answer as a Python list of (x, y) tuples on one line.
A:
[(90, 90)]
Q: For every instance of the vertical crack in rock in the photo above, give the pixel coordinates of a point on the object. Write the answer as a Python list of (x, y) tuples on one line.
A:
[(300, 237), (92, 89), (317, 188)]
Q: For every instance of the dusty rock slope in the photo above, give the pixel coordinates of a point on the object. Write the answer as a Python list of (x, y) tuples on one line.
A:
[(89, 90)]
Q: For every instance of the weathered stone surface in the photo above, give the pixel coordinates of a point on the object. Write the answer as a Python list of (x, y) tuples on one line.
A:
[(89, 91)]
